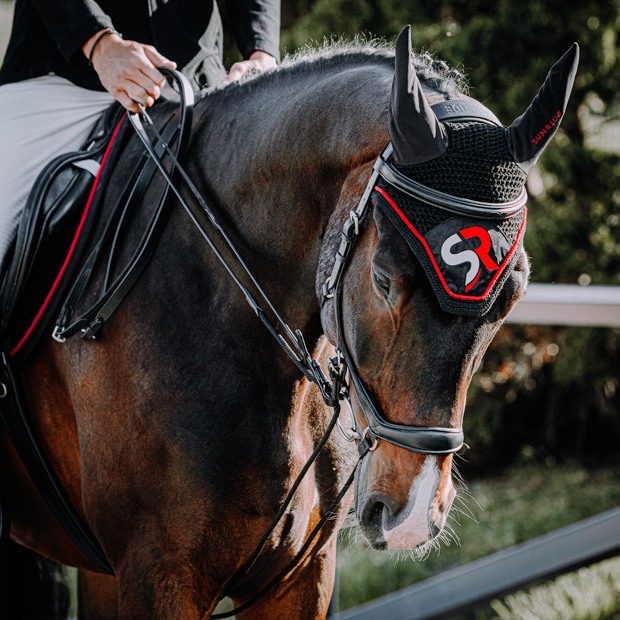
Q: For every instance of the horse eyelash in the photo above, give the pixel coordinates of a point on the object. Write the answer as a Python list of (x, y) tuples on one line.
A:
[(381, 283)]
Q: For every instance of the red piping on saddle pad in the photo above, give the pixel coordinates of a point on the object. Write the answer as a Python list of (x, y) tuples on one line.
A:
[(411, 227), (78, 232)]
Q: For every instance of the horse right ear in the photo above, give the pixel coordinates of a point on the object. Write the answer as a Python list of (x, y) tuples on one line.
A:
[(416, 134), (532, 131)]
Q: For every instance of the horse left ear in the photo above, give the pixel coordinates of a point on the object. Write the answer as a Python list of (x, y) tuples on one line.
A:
[(532, 131), (416, 134)]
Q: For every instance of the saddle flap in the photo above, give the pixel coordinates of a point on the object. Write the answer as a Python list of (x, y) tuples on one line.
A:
[(47, 228)]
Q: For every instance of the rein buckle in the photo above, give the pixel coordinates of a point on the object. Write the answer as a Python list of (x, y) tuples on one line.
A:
[(90, 332)]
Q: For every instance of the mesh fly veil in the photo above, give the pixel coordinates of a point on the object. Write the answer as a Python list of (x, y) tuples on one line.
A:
[(455, 189), (465, 274)]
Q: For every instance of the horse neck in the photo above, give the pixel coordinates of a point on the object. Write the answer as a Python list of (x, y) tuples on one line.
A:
[(274, 158)]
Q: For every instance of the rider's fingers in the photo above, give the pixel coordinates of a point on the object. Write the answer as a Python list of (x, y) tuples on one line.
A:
[(126, 101), (142, 75), (139, 94), (149, 83), (238, 70), (157, 59)]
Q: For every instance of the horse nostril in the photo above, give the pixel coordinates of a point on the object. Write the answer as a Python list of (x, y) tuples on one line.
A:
[(372, 517), (371, 521)]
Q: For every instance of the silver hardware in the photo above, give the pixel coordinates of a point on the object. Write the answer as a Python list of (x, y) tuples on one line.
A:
[(329, 295), (355, 219), (84, 330), (352, 434), (3, 390), (56, 336), (374, 447)]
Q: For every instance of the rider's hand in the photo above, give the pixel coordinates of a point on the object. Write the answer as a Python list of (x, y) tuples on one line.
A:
[(127, 69), (259, 61)]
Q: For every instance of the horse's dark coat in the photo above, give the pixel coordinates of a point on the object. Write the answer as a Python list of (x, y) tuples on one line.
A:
[(191, 421)]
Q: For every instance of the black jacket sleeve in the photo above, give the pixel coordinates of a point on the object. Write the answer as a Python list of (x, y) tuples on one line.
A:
[(255, 25), (71, 23)]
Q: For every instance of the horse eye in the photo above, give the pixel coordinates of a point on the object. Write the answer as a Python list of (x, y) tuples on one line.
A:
[(382, 283)]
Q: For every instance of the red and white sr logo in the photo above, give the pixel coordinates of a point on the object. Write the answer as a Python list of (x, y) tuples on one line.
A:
[(473, 257)]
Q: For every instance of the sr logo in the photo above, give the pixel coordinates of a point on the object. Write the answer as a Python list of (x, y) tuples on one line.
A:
[(473, 256)]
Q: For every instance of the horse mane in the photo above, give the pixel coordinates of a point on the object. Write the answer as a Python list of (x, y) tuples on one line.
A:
[(342, 54)]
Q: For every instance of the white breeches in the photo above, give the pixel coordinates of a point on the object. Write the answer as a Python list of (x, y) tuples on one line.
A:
[(39, 120)]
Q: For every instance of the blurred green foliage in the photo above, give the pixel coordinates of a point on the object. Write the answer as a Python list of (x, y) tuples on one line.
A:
[(565, 404)]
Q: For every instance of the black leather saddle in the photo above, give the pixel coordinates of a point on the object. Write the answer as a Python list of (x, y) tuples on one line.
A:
[(54, 230)]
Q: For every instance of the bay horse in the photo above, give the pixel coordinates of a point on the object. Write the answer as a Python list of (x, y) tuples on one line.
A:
[(179, 431)]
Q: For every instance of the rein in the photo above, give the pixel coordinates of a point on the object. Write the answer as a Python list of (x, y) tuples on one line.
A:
[(422, 440)]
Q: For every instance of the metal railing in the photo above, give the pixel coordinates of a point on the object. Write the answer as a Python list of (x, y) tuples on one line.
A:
[(460, 589), (568, 304)]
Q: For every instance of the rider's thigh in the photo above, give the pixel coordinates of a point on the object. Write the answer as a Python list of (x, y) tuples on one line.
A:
[(39, 120)]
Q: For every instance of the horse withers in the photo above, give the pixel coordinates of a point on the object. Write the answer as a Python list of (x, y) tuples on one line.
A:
[(178, 431)]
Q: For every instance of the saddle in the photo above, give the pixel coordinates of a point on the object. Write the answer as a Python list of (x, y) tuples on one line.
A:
[(52, 236)]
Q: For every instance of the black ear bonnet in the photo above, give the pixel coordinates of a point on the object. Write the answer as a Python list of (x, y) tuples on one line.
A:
[(462, 210)]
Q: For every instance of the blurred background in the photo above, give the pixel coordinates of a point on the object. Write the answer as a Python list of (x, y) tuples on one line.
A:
[(543, 417)]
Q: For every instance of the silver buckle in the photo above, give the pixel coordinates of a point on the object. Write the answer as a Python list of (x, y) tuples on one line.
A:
[(56, 336)]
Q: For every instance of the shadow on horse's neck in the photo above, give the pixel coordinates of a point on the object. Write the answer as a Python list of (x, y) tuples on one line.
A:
[(273, 158)]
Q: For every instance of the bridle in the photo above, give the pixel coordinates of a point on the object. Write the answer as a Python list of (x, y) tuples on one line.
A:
[(418, 439)]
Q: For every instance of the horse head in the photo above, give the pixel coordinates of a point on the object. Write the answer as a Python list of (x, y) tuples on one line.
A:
[(435, 271)]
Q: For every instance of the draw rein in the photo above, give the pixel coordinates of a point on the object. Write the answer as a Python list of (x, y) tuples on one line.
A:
[(423, 440)]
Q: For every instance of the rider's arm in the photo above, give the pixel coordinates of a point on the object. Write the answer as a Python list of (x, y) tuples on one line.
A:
[(71, 23), (256, 27), (126, 68)]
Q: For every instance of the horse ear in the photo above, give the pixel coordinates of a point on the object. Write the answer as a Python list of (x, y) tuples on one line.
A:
[(532, 131), (416, 134)]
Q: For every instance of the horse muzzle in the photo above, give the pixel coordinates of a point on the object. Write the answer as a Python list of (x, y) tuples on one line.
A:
[(395, 513)]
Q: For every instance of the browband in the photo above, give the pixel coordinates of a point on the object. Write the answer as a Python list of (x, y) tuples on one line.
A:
[(448, 202)]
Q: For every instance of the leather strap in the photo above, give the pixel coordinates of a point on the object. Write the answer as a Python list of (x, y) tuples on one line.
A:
[(464, 110), (112, 296), (93, 319), (366, 447), (26, 443), (448, 202), (420, 439)]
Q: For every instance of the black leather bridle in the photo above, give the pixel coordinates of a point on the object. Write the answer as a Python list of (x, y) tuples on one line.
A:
[(420, 439)]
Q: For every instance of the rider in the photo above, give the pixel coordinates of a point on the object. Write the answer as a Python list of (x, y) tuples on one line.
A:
[(67, 61)]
